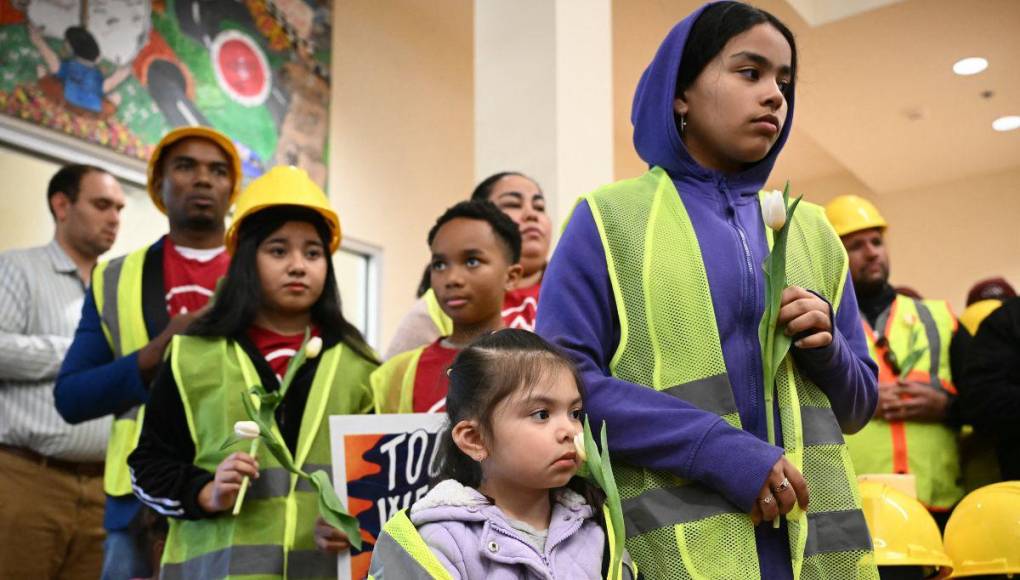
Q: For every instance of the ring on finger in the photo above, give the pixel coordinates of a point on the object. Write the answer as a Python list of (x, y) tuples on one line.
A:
[(766, 500), (783, 486)]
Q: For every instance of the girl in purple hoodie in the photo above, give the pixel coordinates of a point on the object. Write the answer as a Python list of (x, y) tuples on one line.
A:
[(657, 292), (508, 505)]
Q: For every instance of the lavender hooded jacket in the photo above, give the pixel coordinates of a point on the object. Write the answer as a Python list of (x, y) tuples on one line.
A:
[(577, 311), (473, 539)]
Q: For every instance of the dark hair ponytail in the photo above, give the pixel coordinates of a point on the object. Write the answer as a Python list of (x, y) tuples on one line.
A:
[(485, 373)]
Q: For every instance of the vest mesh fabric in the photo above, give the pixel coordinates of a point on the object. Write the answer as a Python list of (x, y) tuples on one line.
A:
[(393, 382), (117, 290), (273, 534), (670, 342)]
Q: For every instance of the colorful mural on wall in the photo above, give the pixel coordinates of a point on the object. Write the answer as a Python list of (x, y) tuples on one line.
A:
[(120, 73)]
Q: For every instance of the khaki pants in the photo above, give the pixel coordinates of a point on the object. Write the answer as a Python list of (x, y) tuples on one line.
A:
[(51, 521)]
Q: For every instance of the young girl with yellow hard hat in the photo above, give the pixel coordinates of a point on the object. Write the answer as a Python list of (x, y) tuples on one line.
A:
[(280, 283)]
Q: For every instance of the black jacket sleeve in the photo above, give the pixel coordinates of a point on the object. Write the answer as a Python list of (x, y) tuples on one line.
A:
[(163, 473), (991, 378)]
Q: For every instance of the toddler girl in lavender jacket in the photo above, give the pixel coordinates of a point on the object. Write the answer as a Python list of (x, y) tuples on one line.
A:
[(507, 505)]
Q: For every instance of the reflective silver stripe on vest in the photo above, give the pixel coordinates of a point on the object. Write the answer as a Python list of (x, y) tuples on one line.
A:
[(310, 468), (275, 481), (233, 561), (272, 482), (131, 414), (842, 531), (713, 394), (110, 314), (391, 562), (311, 564), (657, 508), (820, 426), (931, 330), (628, 567)]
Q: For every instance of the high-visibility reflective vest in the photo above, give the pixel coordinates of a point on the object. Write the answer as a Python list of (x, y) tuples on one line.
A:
[(669, 341), (927, 450), (117, 290), (273, 536), (442, 321), (393, 382), (401, 553)]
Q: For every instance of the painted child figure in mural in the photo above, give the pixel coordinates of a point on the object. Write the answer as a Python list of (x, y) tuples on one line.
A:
[(77, 81)]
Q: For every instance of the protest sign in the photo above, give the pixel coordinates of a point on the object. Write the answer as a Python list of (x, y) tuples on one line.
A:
[(381, 465)]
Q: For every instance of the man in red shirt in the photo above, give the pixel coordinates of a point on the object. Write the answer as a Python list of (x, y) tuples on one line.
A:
[(136, 303)]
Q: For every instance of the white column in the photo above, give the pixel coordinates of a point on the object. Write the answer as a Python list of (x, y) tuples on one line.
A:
[(543, 94)]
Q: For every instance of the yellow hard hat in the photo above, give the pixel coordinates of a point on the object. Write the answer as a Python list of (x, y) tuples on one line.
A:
[(183, 133), (851, 213), (902, 530), (283, 185), (974, 315), (983, 534)]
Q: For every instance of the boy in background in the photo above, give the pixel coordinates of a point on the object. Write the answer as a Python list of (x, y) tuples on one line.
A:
[(475, 253)]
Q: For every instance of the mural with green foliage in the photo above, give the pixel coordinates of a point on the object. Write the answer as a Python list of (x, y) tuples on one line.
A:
[(255, 69)]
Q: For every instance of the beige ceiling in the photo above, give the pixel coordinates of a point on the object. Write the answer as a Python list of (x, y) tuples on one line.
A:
[(877, 99)]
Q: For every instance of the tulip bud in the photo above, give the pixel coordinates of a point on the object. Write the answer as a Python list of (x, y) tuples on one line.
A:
[(773, 210), (579, 446), (246, 429), (313, 347)]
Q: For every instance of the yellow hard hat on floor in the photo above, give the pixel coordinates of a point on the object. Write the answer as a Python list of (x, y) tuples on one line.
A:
[(902, 531), (283, 185), (183, 133), (851, 213), (983, 534)]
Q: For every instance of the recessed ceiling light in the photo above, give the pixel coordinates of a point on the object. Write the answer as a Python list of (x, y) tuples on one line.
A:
[(1006, 123), (970, 66)]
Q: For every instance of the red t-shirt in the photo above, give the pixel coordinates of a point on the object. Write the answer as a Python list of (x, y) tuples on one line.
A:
[(277, 348), (189, 282), (430, 380), (520, 306)]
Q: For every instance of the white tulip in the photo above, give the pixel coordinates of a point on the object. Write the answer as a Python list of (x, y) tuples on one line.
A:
[(773, 210), (313, 347), (246, 429), (579, 446)]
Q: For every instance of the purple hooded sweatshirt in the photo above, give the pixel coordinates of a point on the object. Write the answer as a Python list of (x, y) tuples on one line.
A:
[(656, 430), (473, 539)]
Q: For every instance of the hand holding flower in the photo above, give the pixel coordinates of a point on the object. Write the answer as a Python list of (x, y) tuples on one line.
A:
[(220, 494), (806, 315), (330, 539)]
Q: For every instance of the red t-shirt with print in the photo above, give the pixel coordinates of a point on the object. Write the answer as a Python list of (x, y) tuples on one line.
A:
[(277, 348), (189, 282), (520, 306), (430, 380)]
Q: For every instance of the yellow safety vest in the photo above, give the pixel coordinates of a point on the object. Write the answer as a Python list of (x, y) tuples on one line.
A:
[(401, 553), (669, 341), (927, 450), (273, 536), (444, 324), (117, 290), (393, 382)]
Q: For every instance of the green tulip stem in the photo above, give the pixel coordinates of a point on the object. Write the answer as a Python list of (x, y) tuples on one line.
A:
[(246, 482)]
